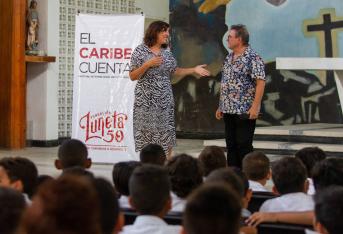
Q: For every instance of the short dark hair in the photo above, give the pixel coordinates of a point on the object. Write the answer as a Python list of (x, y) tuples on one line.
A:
[(12, 206), (109, 207), (149, 189), (41, 179), (212, 208), (23, 169), (309, 156), (289, 175), (242, 32), (121, 174), (256, 165), (211, 158), (329, 208), (185, 174), (66, 205), (328, 172), (152, 153), (72, 153), (150, 37), (229, 177)]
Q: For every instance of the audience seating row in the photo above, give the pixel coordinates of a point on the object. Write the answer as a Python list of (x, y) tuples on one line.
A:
[(175, 218)]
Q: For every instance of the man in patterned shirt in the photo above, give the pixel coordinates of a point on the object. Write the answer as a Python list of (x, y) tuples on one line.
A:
[(241, 91)]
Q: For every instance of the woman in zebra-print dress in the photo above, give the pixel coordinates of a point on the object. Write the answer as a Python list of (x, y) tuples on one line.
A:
[(152, 64)]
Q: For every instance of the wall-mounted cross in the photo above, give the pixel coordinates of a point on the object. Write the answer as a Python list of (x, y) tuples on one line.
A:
[(327, 25)]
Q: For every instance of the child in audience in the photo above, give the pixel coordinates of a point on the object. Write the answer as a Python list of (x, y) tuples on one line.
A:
[(121, 174), (20, 174), (256, 166), (325, 173), (72, 153), (185, 175), (212, 158), (150, 196), (290, 181), (41, 179), (213, 208), (12, 206), (328, 172), (112, 220), (66, 205), (235, 180), (329, 210), (154, 154), (309, 157)]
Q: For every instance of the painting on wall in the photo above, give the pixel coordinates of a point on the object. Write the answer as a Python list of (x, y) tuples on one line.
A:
[(278, 28)]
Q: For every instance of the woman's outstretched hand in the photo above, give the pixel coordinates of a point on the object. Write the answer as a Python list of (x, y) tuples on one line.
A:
[(201, 71)]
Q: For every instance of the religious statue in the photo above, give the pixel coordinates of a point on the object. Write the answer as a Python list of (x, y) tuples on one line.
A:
[(32, 27)]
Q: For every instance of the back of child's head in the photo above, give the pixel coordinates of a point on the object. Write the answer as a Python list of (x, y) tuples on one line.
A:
[(289, 175), (212, 158), (229, 177), (68, 204), (21, 169), (212, 208), (329, 209), (149, 187), (73, 153), (121, 174), (12, 206), (109, 206), (309, 157), (328, 172), (152, 153), (256, 166), (41, 179), (185, 174)]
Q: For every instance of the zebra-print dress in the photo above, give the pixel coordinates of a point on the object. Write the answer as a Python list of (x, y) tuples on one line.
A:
[(153, 111)]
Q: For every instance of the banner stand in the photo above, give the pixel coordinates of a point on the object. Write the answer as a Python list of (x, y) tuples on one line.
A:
[(103, 93)]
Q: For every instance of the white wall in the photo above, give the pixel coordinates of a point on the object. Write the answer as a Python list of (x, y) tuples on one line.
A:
[(154, 10), (42, 78)]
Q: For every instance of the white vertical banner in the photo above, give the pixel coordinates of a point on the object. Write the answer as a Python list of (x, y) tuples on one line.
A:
[(103, 93)]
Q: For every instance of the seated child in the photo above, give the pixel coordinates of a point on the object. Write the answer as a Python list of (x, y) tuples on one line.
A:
[(72, 153), (290, 182), (309, 157), (212, 158), (256, 166), (150, 196), (185, 175)]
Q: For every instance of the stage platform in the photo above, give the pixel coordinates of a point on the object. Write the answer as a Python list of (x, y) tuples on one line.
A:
[(286, 140)]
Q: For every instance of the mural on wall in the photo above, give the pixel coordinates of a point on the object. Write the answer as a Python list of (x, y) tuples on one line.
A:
[(278, 28)]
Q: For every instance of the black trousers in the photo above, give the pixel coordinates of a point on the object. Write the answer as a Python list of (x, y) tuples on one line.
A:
[(239, 135)]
